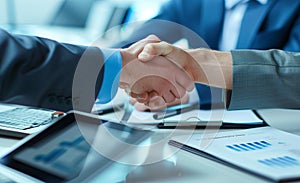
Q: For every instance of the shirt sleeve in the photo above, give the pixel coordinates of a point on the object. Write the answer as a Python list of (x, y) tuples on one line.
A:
[(112, 71)]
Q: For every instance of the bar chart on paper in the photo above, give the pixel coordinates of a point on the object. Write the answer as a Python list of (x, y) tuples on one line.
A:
[(250, 146), (272, 161), (267, 152), (283, 161)]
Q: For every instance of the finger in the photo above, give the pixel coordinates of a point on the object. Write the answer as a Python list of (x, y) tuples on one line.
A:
[(157, 103), (142, 100), (141, 107), (175, 93), (132, 101), (178, 92), (177, 55), (149, 39), (140, 97), (169, 97), (123, 85), (138, 105), (138, 46), (152, 94), (152, 37)]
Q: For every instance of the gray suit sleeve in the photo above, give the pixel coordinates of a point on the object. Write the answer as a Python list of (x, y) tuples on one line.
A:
[(265, 79), (39, 72)]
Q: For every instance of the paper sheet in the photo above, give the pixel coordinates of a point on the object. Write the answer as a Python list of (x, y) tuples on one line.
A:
[(266, 151), (240, 116)]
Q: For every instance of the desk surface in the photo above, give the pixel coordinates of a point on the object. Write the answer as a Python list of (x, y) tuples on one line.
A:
[(182, 166)]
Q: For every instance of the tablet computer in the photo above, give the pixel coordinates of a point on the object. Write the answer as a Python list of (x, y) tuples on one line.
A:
[(62, 151)]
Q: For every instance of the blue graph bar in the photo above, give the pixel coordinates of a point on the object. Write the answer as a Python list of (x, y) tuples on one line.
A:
[(266, 162), (262, 145), (240, 147), (233, 148), (253, 145), (280, 161), (267, 143), (291, 160), (250, 146)]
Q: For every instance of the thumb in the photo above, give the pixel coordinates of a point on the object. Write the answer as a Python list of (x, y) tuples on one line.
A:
[(152, 37), (155, 49)]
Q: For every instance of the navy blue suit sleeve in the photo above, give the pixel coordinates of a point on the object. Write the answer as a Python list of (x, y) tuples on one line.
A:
[(39, 72)]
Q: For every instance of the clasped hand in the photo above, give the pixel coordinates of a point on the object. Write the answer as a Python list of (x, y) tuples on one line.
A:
[(154, 77)]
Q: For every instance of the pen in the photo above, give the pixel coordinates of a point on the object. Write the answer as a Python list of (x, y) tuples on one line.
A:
[(109, 110), (204, 124), (191, 123), (171, 111)]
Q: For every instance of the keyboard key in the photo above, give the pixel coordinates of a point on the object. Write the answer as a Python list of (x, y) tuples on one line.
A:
[(25, 118)]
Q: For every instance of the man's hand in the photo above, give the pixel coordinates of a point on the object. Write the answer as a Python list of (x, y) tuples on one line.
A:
[(159, 75), (213, 68), (178, 56)]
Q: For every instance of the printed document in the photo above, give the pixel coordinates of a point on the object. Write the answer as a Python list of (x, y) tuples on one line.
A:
[(265, 151)]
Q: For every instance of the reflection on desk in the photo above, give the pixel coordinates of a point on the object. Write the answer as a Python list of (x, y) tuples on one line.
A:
[(180, 166)]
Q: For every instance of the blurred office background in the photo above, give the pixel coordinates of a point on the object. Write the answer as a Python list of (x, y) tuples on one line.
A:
[(75, 21)]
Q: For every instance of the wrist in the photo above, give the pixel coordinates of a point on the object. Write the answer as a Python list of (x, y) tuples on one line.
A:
[(225, 61), (191, 66), (212, 67), (197, 67), (126, 56)]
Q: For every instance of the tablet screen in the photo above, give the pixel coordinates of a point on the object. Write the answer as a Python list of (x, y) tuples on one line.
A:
[(59, 153), (63, 155)]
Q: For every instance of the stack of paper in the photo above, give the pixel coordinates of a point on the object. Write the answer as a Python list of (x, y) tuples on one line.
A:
[(266, 151)]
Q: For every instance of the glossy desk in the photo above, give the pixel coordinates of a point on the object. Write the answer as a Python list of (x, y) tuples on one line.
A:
[(182, 166)]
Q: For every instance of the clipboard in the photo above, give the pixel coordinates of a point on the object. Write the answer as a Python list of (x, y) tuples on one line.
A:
[(212, 124)]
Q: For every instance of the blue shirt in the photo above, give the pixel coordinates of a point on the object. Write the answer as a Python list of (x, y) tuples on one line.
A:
[(111, 76)]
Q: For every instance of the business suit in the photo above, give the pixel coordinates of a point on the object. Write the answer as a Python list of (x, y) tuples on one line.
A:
[(39, 72), (265, 79), (275, 25)]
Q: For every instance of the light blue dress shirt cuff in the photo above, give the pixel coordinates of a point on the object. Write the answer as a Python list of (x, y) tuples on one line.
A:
[(111, 76)]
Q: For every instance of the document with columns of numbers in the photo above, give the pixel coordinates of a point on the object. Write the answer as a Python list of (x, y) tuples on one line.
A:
[(266, 152)]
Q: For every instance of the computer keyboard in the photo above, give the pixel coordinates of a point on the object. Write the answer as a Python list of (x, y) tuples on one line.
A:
[(25, 118)]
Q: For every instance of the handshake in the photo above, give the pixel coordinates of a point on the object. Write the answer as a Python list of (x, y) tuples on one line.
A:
[(156, 73)]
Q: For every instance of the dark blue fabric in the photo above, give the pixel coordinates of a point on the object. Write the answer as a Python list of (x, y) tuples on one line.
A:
[(40, 72), (273, 25)]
